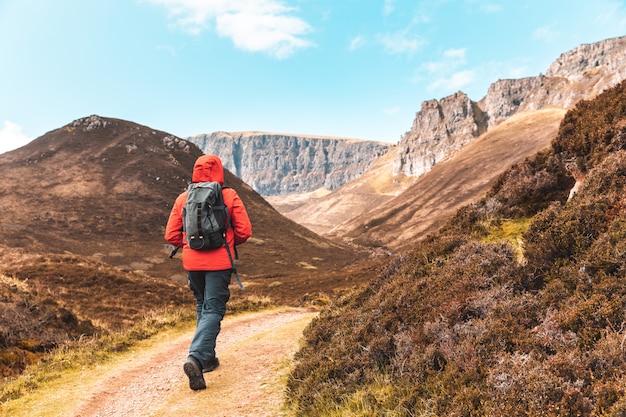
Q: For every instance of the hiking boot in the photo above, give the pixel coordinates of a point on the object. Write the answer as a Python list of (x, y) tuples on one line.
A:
[(211, 364), (194, 372)]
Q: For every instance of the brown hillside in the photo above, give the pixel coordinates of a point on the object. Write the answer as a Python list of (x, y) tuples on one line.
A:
[(514, 308), (322, 211), (84, 209), (104, 187), (451, 184)]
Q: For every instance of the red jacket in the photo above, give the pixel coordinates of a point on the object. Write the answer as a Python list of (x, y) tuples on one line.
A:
[(209, 168)]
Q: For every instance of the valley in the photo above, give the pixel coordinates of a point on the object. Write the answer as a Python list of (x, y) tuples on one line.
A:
[(432, 289)]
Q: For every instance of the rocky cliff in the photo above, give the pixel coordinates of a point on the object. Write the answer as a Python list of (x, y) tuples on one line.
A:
[(442, 127), (279, 164)]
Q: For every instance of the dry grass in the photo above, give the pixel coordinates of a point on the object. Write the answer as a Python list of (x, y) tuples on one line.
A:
[(64, 366), (453, 183)]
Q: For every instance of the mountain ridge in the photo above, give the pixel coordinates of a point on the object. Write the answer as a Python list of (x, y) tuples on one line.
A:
[(110, 183), (282, 164), (444, 126)]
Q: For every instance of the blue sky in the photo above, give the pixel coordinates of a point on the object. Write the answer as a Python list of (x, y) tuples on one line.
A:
[(347, 68)]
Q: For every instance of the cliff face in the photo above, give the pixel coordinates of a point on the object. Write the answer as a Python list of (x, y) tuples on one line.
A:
[(442, 127), (279, 164), (585, 61)]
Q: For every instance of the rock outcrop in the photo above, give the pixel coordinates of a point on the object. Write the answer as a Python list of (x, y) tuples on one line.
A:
[(442, 127), (280, 164)]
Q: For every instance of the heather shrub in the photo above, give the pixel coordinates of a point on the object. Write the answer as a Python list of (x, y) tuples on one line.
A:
[(470, 220), (593, 129), (608, 179), (561, 233), (530, 186), (407, 326), (460, 327)]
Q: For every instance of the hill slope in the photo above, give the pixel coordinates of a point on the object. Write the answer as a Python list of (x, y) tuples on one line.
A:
[(84, 209), (104, 187), (435, 196), (515, 308), (323, 211)]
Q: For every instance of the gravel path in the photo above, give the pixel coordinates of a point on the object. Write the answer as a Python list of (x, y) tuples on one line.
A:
[(252, 348)]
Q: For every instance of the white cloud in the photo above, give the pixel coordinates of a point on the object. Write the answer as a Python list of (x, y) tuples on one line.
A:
[(491, 8), (611, 14), (453, 83), (401, 43), (167, 48), (254, 25), (455, 53), (388, 7), (357, 43), (487, 7), (452, 59), (545, 34), (392, 110), (11, 137), (447, 75), (515, 72)]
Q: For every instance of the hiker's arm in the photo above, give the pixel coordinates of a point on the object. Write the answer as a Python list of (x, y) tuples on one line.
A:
[(240, 221), (174, 228)]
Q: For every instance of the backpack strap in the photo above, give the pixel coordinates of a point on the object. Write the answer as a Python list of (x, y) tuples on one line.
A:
[(230, 255), (232, 262)]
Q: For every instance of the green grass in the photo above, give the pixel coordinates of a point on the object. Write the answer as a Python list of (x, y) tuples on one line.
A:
[(510, 230)]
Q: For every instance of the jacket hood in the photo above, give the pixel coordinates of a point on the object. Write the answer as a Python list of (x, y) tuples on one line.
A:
[(208, 168)]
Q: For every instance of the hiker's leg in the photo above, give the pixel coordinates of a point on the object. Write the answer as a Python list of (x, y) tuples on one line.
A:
[(196, 284), (216, 295)]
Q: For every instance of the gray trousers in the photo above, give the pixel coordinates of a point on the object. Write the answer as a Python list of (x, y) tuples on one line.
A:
[(210, 289)]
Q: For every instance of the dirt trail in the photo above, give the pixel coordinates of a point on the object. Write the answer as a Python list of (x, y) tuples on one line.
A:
[(254, 350)]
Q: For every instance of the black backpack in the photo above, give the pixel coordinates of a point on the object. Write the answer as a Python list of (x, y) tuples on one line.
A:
[(205, 216), (206, 219)]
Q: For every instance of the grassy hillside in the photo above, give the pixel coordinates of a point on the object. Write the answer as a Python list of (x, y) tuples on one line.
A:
[(517, 307)]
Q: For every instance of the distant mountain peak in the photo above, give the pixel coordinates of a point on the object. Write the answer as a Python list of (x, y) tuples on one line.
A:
[(281, 163), (440, 129), (89, 123)]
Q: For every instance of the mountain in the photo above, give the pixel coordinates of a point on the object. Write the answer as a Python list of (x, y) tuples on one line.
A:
[(292, 165), (513, 121), (104, 187), (379, 209), (442, 127), (276, 164), (370, 209), (514, 307), (426, 204), (84, 209), (322, 212)]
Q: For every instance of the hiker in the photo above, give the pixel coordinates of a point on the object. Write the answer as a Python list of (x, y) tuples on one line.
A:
[(208, 271)]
